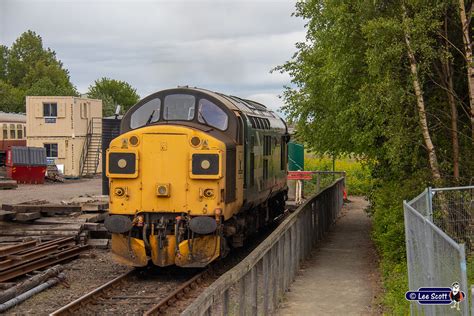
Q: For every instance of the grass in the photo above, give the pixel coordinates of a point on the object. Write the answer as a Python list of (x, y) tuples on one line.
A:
[(358, 180)]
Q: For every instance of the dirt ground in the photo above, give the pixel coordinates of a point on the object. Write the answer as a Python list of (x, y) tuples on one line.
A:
[(53, 192), (341, 277)]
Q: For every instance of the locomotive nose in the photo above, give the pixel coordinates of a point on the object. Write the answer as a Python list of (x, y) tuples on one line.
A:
[(164, 185)]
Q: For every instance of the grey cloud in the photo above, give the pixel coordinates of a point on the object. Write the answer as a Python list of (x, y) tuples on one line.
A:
[(228, 46)]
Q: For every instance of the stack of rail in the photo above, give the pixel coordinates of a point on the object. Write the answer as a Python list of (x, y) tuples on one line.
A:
[(20, 259)]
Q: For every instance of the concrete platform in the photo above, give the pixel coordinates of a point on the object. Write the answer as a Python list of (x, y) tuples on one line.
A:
[(341, 277)]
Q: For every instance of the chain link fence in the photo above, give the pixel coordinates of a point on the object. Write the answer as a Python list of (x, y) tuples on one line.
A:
[(437, 232)]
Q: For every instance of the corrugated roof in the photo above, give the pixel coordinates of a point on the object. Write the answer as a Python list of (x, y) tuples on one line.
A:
[(12, 117)]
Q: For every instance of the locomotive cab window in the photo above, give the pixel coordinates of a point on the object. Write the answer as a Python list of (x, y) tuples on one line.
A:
[(212, 115), (146, 114), (179, 107)]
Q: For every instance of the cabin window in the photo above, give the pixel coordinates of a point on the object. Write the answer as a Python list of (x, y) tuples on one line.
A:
[(146, 114), (24, 131), (212, 115), (19, 131), (50, 109), (51, 150), (12, 131), (5, 131), (179, 107)]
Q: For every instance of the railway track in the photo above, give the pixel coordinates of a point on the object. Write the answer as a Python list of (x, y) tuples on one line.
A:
[(159, 291), (135, 293)]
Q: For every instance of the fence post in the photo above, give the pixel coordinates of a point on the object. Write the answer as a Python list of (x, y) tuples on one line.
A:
[(266, 279), (318, 182), (463, 281), (254, 291), (225, 303), (408, 241), (430, 203), (242, 296)]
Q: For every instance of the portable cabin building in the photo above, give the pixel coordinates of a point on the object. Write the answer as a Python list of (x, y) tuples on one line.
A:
[(69, 128)]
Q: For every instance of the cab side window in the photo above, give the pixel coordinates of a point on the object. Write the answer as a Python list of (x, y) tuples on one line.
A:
[(212, 115)]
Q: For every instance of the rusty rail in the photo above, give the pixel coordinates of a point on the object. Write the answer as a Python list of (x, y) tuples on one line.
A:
[(75, 307), (175, 295), (91, 296), (21, 269)]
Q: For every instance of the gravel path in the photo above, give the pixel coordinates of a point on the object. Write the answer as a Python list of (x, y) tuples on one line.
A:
[(341, 277)]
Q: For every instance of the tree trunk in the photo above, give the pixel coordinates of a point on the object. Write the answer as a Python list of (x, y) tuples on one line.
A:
[(433, 159), (454, 121), (447, 73), (470, 66)]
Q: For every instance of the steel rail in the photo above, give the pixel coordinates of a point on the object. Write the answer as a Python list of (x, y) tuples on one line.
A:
[(158, 308), (72, 306), (176, 295)]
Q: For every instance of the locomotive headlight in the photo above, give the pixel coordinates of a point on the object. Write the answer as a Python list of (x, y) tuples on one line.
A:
[(134, 140), (122, 164), (195, 141), (205, 164), (163, 190)]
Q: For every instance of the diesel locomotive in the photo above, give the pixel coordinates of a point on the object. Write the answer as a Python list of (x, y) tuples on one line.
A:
[(193, 174)]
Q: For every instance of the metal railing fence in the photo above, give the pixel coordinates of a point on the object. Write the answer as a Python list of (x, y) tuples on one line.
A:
[(257, 283), (434, 257), (453, 212), (320, 180)]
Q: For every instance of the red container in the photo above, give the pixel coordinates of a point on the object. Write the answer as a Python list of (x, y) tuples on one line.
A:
[(27, 174), (26, 164)]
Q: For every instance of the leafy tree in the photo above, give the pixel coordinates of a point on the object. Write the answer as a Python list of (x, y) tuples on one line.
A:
[(26, 68), (385, 80), (3, 62), (113, 92), (11, 99)]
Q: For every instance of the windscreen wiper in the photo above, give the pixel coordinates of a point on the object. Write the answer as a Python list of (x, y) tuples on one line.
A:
[(203, 118), (150, 118)]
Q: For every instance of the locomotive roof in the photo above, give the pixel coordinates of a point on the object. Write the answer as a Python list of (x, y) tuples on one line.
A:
[(12, 117), (236, 103)]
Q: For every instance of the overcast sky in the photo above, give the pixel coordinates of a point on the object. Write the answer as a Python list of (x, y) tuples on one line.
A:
[(228, 46)]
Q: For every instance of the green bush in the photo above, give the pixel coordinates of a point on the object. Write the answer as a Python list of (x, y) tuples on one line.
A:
[(358, 180), (389, 236)]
